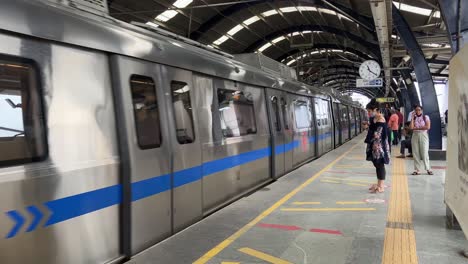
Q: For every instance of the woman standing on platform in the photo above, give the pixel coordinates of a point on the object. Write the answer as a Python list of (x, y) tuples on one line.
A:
[(420, 124), (377, 145)]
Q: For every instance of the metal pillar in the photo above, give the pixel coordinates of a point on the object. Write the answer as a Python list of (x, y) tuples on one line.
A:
[(424, 77), (455, 21)]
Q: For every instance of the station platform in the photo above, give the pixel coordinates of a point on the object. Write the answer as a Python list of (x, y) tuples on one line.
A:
[(324, 213)]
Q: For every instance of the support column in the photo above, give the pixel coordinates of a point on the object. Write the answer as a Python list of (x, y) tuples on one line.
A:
[(424, 77)]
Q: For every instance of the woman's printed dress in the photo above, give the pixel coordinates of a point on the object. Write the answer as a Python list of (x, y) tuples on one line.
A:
[(377, 144)]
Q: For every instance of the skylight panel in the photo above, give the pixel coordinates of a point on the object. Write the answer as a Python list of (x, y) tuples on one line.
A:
[(234, 30), (166, 15), (182, 3), (306, 8), (220, 40), (264, 47), (269, 13), (291, 62), (251, 20), (278, 39), (416, 10), (327, 11), (288, 9)]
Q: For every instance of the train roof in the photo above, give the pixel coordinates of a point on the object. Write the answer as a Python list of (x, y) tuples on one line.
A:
[(40, 19)]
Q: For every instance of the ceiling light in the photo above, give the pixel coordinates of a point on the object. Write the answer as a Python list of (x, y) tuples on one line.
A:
[(327, 11), (288, 9), (291, 62), (151, 24), (251, 20), (269, 13), (221, 40), (306, 8), (234, 30), (276, 40), (182, 3), (166, 15), (264, 47)]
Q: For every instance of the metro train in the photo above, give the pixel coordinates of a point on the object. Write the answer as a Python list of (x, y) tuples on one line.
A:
[(114, 137)]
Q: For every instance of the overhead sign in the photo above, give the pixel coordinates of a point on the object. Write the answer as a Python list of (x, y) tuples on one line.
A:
[(456, 179), (385, 100), (373, 83)]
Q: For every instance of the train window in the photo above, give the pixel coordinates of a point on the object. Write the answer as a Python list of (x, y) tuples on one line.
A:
[(276, 114), (146, 112), (284, 110), (183, 114), (22, 131), (236, 113), (302, 114)]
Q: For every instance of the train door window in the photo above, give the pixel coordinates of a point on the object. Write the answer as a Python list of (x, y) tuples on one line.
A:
[(236, 113), (183, 113), (22, 131), (276, 114), (284, 110), (302, 114), (146, 112)]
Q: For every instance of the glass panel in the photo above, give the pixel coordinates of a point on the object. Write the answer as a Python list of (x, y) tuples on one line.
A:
[(302, 114), (183, 114), (284, 109), (276, 114), (22, 132), (146, 111), (236, 113)]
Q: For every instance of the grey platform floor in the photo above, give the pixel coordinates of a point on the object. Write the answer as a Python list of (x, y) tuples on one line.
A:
[(327, 235)]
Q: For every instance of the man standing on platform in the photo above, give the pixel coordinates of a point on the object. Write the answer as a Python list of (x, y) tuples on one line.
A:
[(400, 122)]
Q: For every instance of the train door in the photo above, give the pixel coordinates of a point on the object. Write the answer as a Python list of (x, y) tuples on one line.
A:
[(319, 124), (186, 147), (327, 127), (276, 130), (304, 131), (146, 153), (288, 128), (344, 116), (337, 124)]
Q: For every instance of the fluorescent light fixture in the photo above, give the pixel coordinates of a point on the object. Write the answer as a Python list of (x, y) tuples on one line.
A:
[(278, 39), (291, 62), (166, 15), (288, 9), (336, 50), (221, 40), (416, 10), (327, 11), (269, 13), (251, 20), (314, 52), (234, 30), (306, 8), (182, 3), (151, 24), (296, 33), (264, 47), (432, 45)]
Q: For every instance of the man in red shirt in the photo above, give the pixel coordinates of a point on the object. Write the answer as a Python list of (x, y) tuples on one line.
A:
[(400, 123)]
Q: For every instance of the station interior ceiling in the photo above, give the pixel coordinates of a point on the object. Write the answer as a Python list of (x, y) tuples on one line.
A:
[(324, 40)]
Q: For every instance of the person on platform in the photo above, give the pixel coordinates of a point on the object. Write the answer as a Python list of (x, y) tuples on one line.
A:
[(393, 125), (406, 143), (401, 120), (420, 124), (377, 149)]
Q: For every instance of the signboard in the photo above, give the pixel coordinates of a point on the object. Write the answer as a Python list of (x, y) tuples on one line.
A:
[(385, 100), (365, 83), (456, 179)]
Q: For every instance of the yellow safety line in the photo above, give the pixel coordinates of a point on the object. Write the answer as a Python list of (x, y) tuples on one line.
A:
[(325, 209), (350, 202), (214, 251), (399, 242), (304, 203), (263, 256)]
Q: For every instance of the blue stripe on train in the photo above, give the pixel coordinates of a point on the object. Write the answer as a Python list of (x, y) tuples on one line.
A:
[(73, 206)]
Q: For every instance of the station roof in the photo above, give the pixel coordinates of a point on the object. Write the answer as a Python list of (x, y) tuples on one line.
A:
[(325, 40)]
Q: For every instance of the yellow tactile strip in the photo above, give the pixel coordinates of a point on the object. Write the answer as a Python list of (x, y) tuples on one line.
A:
[(400, 242)]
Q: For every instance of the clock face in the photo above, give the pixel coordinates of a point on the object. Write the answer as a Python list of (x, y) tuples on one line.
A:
[(369, 70)]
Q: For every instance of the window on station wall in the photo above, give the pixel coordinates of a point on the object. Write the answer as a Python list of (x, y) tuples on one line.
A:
[(236, 111), (284, 110), (183, 113), (22, 129), (276, 113), (302, 114), (146, 112)]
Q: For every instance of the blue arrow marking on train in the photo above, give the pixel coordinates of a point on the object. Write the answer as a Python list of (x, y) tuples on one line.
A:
[(19, 222), (37, 216)]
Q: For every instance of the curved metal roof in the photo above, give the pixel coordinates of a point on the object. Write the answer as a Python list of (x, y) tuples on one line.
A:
[(342, 32)]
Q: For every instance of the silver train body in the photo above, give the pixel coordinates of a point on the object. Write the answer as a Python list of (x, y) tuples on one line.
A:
[(124, 137)]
